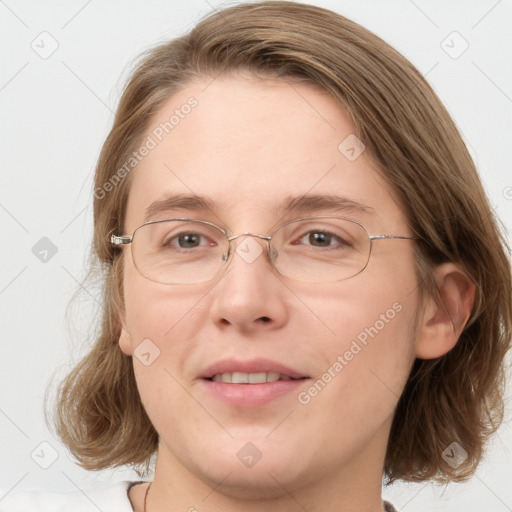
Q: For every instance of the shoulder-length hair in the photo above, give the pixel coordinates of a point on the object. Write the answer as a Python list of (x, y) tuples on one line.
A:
[(418, 149)]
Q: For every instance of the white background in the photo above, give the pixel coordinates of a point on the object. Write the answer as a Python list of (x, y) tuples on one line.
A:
[(56, 113)]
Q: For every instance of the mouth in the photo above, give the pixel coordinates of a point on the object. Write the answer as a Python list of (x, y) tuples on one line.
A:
[(251, 378), (250, 383)]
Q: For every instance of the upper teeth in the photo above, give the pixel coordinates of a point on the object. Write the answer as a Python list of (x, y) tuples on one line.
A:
[(249, 378)]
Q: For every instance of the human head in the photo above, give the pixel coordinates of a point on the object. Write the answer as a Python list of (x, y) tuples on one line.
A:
[(415, 146)]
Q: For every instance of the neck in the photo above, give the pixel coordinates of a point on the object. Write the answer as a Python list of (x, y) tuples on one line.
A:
[(354, 486)]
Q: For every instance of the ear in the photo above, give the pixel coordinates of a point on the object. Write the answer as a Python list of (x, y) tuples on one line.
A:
[(125, 342), (442, 324)]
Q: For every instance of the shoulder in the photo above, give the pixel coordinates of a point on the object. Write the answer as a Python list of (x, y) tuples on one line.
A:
[(107, 498)]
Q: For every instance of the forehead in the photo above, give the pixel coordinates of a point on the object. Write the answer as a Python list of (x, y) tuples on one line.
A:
[(251, 145)]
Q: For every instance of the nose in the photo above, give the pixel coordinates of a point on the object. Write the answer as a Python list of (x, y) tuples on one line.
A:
[(250, 292)]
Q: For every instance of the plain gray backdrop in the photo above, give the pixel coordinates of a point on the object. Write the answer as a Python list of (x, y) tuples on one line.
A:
[(63, 66)]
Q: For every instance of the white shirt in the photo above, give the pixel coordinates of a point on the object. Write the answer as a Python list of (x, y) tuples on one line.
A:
[(110, 498)]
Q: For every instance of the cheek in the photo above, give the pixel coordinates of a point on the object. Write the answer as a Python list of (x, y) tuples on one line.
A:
[(356, 393), (158, 312), (368, 351), (162, 326)]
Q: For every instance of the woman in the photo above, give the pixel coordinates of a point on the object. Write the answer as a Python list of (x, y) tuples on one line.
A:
[(305, 287)]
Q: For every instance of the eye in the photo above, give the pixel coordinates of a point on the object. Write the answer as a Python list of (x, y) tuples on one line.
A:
[(186, 240), (323, 238)]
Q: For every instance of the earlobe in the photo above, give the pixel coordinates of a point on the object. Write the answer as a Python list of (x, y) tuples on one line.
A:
[(443, 323)]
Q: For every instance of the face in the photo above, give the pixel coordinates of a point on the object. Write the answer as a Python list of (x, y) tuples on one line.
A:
[(248, 143)]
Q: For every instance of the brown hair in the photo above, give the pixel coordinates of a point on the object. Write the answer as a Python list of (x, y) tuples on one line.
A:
[(412, 139)]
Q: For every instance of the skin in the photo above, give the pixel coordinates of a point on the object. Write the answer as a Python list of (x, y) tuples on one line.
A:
[(250, 142)]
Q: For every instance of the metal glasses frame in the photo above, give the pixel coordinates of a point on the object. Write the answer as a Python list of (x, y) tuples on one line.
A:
[(117, 241)]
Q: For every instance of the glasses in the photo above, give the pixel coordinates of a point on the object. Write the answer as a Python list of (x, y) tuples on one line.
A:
[(312, 250)]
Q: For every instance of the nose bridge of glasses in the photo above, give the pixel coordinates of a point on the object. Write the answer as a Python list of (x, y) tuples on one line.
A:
[(246, 252), (243, 235), (263, 237)]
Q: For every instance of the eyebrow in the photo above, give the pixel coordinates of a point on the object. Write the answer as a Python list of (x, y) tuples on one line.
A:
[(304, 204)]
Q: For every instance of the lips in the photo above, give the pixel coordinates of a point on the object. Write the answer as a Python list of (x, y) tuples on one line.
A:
[(248, 384)]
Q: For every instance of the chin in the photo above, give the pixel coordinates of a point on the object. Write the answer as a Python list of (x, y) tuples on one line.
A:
[(265, 480), (250, 471)]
